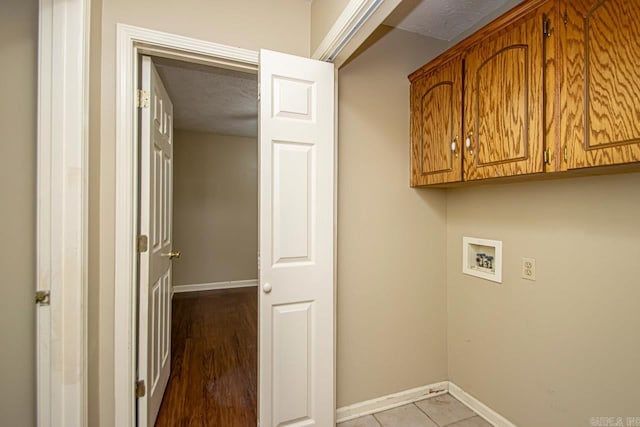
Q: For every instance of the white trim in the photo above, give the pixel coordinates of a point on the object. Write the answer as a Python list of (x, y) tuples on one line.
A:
[(354, 15), (355, 24), (215, 286), (62, 195), (478, 407), (390, 401), (394, 400), (130, 42)]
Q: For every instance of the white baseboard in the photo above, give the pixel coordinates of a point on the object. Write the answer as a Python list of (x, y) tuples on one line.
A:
[(478, 407), (215, 286), (394, 400)]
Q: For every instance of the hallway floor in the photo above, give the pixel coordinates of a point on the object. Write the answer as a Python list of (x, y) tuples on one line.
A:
[(213, 378), (439, 411), (213, 360)]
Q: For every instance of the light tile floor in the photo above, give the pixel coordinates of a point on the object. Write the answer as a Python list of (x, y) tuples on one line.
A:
[(439, 411)]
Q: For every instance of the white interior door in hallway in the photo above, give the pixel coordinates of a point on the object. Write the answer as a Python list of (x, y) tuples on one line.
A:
[(156, 197), (297, 172)]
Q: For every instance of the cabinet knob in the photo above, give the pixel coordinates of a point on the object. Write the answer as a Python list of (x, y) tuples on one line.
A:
[(468, 142), (266, 288), (454, 147)]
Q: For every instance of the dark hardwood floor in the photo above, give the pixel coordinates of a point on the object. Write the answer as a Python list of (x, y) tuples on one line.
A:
[(214, 360)]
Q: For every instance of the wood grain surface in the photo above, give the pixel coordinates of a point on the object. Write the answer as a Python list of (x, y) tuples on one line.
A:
[(552, 91), (504, 100), (214, 360), (601, 71), (436, 122)]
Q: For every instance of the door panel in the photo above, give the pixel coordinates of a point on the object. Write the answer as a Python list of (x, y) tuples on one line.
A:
[(503, 108), (154, 322), (500, 107), (296, 354), (292, 355), (601, 114), (437, 120), (436, 123), (293, 189)]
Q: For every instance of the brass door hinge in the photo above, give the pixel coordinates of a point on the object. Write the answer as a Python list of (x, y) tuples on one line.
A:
[(143, 243), (42, 297), (141, 389), (142, 98), (546, 156)]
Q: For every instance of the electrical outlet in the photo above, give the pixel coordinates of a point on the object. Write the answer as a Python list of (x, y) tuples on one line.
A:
[(529, 268)]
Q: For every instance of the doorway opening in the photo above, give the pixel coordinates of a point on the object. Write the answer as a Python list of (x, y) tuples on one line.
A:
[(198, 205), (296, 301)]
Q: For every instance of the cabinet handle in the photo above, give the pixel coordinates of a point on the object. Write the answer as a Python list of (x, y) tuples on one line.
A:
[(454, 146), (469, 142)]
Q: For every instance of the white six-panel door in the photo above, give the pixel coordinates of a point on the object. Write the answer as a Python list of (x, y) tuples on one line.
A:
[(156, 198), (296, 360)]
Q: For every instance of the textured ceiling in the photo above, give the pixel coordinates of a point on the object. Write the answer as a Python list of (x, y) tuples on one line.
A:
[(211, 99), (441, 19)]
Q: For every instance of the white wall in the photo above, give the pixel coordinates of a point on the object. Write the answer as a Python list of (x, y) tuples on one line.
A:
[(215, 208), (18, 49)]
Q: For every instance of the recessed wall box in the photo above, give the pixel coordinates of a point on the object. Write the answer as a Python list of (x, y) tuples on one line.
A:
[(482, 258)]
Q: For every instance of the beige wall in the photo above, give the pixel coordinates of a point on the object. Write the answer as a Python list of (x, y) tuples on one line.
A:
[(215, 208), (18, 48), (323, 15), (564, 348), (281, 25), (391, 239)]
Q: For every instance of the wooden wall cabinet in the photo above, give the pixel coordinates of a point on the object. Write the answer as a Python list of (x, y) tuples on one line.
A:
[(436, 125), (548, 87), (601, 74)]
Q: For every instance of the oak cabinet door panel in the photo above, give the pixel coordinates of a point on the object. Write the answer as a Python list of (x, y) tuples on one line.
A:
[(436, 124), (504, 102), (601, 97)]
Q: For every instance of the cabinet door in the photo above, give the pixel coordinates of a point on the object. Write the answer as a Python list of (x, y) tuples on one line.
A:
[(504, 101), (436, 125), (601, 97)]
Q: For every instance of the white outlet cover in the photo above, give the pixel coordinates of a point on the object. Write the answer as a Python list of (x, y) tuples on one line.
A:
[(470, 247), (529, 268)]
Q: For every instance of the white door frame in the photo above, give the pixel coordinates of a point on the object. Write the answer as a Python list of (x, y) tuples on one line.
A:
[(132, 41), (62, 206)]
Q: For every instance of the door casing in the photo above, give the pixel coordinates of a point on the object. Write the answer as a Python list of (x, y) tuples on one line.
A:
[(131, 43)]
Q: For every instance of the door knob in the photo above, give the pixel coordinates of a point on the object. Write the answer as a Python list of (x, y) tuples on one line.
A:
[(266, 288), (172, 254)]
